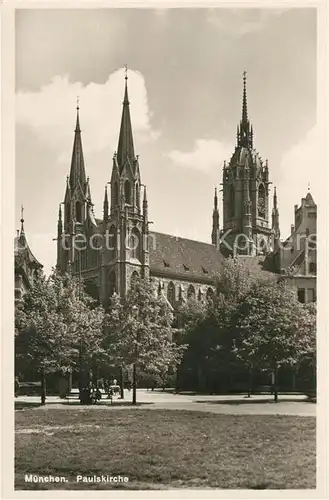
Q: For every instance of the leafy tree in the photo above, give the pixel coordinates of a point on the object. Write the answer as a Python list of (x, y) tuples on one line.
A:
[(140, 333), (41, 332), (210, 329), (273, 329), (59, 328), (83, 319)]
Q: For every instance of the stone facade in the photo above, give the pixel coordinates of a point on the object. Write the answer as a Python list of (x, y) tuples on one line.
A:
[(297, 254), (109, 252)]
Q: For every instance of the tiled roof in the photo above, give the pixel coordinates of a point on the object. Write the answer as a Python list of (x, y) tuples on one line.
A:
[(189, 259), (23, 252), (259, 266)]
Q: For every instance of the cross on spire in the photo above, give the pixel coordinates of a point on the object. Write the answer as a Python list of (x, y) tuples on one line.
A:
[(126, 71), (22, 219)]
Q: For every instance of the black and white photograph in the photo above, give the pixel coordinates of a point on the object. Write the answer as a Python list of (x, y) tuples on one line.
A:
[(168, 170)]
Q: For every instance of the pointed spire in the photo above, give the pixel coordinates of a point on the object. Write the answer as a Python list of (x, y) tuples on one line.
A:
[(275, 216), (145, 204), (77, 172), (126, 143), (245, 135), (275, 199), (244, 99), (106, 206), (22, 220), (215, 221), (60, 222)]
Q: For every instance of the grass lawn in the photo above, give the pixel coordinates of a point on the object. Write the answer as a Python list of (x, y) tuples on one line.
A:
[(165, 449)]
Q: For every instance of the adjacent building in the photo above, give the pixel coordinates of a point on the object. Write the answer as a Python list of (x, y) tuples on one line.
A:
[(26, 265), (297, 255)]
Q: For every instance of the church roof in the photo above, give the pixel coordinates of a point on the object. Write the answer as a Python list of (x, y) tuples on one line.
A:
[(246, 157), (171, 255), (259, 266), (183, 258)]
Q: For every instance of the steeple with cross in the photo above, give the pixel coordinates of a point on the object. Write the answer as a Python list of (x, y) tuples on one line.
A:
[(245, 188), (245, 130)]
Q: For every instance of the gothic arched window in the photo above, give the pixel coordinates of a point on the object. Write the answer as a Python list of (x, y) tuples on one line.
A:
[(78, 211), (261, 201), (231, 199), (135, 244), (171, 293), (191, 292), (127, 193), (210, 294)]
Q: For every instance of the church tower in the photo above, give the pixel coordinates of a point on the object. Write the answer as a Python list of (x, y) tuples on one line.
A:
[(245, 184), (125, 222), (78, 211)]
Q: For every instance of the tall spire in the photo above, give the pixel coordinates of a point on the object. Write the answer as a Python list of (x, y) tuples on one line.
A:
[(215, 221), (215, 200), (145, 205), (245, 131), (275, 217), (77, 172), (275, 199), (244, 99), (126, 144), (60, 222), (105, 206)]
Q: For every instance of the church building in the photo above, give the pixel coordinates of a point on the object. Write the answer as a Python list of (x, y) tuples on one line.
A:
[(108, 253)]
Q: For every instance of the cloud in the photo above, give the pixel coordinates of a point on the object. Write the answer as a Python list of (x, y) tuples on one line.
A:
[(207, 155), (240, 22), (51, 112), (300, 167)]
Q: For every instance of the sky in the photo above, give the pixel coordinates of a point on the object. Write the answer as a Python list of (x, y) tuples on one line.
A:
[(185, 88)]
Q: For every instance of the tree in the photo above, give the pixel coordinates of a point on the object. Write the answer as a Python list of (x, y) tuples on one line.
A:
[(84, 320), (140, 333), (210, 359), (273, 329), (41, 333), (59, 328)]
